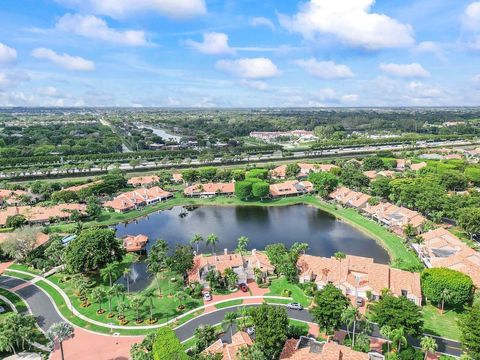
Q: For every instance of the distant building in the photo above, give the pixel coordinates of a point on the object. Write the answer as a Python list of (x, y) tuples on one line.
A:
[(83, 186), (350, 198), (291, 188), (305, 169), (140, 197), (209, 189), (41, 214), (272, 135), (395, 217), (143, 180)]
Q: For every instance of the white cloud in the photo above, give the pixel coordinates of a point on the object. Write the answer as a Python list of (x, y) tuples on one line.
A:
[(254, 84), (249, 68), (7, 54), (405, 70), (64, 60), (326, 70), (471, 18), (432, 48), (9, 80), (262, 21), (50, 91), (476, 79), (213, 43), (125, 8), (423, 91), (95, 28), (350, 21)]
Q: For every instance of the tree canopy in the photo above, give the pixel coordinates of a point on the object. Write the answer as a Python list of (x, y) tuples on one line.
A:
[(330, 304), (436, 281)]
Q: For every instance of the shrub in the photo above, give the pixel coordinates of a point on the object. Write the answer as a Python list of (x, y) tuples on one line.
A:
[(459, 285)]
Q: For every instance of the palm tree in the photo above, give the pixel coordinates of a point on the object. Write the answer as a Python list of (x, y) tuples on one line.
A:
[(180, 296), (150, 295), (350, 316), (386, 332), (122, 308), (154, 268), (398, 338), (196, 240), (110, 293), (445, 296), (429, 345), (118, 291), (244, 319), (339, 255), (242, 244), (229, 320), (136, 303), (58, 333), (98, 295), (108, 272), (78, 228), (212, 240), (126, 275), (231, 277)]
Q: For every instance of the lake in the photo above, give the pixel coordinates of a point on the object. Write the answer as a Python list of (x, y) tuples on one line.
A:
[(262, 225)]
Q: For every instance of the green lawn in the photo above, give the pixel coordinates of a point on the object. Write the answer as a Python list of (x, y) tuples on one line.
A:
[(278, 285), (299, 324), (444, 325), (229, 303)]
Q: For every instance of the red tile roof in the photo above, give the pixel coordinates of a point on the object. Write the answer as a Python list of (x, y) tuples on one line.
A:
[(229, 351), (131, 199), (143, 180), (133, 243), (209, 189), (291, 187), (41, 214)]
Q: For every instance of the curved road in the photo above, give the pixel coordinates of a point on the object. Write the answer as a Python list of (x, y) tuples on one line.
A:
[(46, 314)]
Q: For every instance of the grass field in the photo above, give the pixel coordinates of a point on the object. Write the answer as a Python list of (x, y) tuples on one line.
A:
[(444, 325), (278, 285), (229, 303)]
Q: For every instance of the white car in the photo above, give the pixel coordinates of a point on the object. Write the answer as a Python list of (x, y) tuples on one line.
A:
[(294, 306), (207, 296), (250, 330)]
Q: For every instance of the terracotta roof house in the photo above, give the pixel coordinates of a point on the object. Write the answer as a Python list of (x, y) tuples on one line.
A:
[(41, 238), (177, 177), (135, 243), (305, 169), (307, 348), (210, 189), (356, 276), (291, 188), (41, 214), (373, 174), (229, 351), (395, 217), (11, 197), (349, 197), (143, 180), (132, 199), (402, 164), (242, 265), (83, 186), (416, 167), (440, 248)]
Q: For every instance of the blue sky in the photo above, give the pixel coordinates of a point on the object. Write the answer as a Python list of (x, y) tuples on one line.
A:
[(239, 53)]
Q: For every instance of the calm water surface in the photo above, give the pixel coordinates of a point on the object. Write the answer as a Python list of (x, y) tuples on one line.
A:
[(262, 225)]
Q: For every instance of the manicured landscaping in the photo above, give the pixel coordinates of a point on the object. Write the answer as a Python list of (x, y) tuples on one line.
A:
[(229, 303), (14, 299), (444, 325), (278, 287)]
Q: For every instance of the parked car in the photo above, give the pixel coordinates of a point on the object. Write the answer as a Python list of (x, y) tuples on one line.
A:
[(294, 306), (250, 330), (207, 296), (243, 287), (359, 301)]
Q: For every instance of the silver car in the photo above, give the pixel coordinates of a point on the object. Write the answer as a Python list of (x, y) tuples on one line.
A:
[(294, 306)]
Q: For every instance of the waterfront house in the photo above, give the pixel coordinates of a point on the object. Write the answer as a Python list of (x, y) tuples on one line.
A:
[(395, 217), (243, 265), (140, 197), (347, 197), (357, 276), (135, 243), (440, 248), (291, 188), (209, 189), (41, 214), (144, 181), (307, 348)]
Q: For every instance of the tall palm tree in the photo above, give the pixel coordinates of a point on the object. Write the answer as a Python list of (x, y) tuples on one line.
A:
[(340, 255), (136, 303), (126, 275), (242, 244), (154, 267), (349, 317), (196, 240), (231, 277), (212, 240), (122, 308), (149, 296), (108, 272), (429, 345), (98, 295), (398, 338), (386, 332), (229, 320), (110, 293), (118, 291), (180, 296), (445, 296), (58, 333)]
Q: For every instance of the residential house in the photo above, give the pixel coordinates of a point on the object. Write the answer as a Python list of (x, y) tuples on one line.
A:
[(373, 174), (177, 178), (305, 169), (402, 164), (307, 348), (243, 265), (357, 276), (229, 351), (140, 197), (12, 197), (40, 236), (350, 198), (135, 243), (144, 181), (41, 214), (440, 248), (291, 188), (416, 167), (395, 217), (210, 189), (83, 186)]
